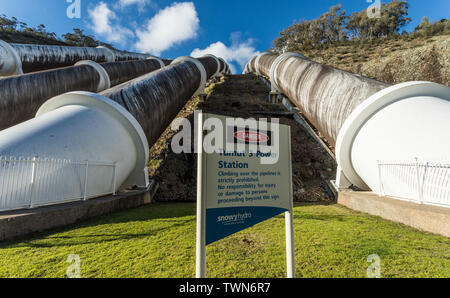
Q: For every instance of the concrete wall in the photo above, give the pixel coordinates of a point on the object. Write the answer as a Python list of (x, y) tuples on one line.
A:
[(423, 217), (19, 223)]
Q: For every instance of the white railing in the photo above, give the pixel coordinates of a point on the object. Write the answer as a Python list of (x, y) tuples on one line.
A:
[(419, 182), (34, 182)]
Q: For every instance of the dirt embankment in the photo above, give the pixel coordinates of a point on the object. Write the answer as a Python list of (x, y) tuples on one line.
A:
[(241, 96), (392, 61)]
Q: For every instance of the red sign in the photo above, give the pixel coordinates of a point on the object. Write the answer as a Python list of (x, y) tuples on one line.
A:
[(251, 136)]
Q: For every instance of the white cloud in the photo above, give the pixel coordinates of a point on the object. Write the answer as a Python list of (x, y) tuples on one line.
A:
[(104, 23), (239, 52), (170, 26), (141, 4), (131, 2)]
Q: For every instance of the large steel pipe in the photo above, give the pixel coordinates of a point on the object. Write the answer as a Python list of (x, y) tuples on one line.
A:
[(250, 67), (24, 58), (367, 120), (155, 99), (262, 63), (116, 126), (21, 96), (78, 127), (325, 95), (121, 72)]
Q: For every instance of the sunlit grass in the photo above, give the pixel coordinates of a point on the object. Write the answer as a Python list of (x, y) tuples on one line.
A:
[(159, 241)]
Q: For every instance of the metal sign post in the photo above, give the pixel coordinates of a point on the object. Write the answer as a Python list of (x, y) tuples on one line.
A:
[(289, 221), (236, 190), (201, 206)]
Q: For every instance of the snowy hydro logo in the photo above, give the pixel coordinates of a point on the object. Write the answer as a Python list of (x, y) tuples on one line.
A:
[(234, 218)]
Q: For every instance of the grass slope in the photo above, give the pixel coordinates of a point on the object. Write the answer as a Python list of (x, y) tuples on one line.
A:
[(159, 241)]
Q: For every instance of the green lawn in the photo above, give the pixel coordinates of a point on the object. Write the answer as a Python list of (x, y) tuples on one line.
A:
[(159, 241)]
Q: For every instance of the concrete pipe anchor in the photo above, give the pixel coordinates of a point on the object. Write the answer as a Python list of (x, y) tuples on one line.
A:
[(402, 122)]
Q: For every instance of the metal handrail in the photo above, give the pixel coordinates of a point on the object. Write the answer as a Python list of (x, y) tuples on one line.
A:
[(27, 182), (417, 181)]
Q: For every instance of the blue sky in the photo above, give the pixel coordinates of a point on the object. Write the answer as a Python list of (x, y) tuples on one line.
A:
[(235, 30)]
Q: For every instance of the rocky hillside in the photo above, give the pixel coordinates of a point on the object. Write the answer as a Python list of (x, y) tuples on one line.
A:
[(392, 60)]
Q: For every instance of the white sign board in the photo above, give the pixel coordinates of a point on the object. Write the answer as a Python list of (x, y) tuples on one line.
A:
[(236, 189)]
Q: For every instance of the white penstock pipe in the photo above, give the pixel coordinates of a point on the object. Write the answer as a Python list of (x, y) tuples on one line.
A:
[(82, 126)]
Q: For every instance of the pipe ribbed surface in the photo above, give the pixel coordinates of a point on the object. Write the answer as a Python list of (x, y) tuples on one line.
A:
[(21, 96), (155, 99), (222, 65), (18, 104), (325, 95), (126, 56), (41, 57), (120, 72), (265, 63), (251, 65)]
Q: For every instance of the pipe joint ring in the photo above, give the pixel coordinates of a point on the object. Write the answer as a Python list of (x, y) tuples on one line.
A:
[(274, 67), (225, 66), (110, 56), (161, 63), (11, 62), (201, 68), (228, 71), (105, 82), (218, 63)]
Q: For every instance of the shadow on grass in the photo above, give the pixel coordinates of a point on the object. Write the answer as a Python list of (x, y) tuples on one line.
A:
[(321, 217), (302, 204), (59, 241), (169, 212), (166, 212)]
